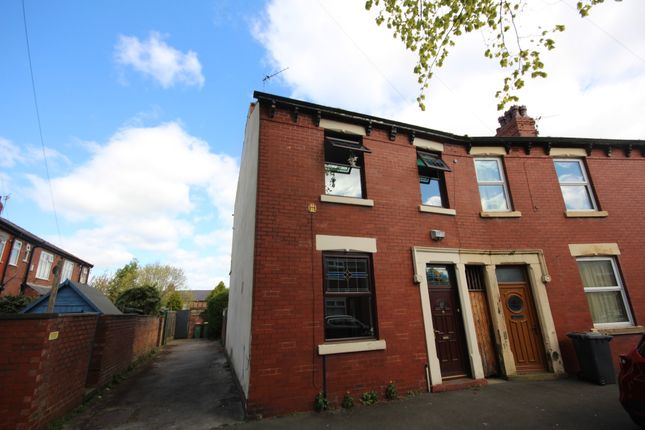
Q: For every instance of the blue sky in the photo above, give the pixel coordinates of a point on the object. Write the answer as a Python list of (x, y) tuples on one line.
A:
[(143, 106)]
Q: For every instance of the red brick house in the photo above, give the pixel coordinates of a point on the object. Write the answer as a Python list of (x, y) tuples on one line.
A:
[(367, 250), (26, 262)]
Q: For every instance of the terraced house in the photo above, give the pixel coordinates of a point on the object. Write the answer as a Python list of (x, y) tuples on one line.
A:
[(367, 250), (26, 262)]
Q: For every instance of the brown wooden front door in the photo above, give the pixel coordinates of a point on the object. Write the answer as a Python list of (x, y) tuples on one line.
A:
[(521, 323), (447, 321)]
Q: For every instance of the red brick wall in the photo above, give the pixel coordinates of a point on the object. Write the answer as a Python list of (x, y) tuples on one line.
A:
[(286, 371), (42, 379), (120, 339)]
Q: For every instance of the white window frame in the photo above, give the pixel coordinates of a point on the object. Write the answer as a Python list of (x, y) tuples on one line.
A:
[(68, 270), (83, 277), (27, 252), (585, 183), (502, 182), (620, 287), (3, 244), (45, 263), (15, 253)]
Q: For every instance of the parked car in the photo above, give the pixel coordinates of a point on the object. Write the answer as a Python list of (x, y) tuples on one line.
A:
[(631, 382), (343, 326)]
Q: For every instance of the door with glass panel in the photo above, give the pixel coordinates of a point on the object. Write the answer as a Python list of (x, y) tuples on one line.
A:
[(521, 319), (447, 321)]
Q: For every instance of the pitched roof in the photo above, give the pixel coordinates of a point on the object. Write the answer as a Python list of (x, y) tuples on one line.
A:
[(20, 232), (199, 295), (94, 298)]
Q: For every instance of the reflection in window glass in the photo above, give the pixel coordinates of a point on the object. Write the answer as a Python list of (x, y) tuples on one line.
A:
[(576, 190), (343, 181), (492, 188), (344, 166), (437, 276), (348, 296), (432, 179), (510, 273), (430, 191)]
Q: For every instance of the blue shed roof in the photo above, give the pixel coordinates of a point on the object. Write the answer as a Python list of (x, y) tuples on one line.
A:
[(73, 297)]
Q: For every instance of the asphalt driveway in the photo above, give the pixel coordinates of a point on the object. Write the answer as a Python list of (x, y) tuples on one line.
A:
[(187, 386)]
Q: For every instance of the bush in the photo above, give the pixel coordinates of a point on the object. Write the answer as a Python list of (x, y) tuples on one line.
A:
[(369, 398), (141, 300), (320, 402), (13, 304), (348, 401), (213, 314)]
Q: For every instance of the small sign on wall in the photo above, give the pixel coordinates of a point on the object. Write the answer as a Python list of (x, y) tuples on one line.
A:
[(53, 335)]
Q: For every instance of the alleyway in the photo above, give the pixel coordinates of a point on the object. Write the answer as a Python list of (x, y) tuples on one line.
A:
[(188, 386)]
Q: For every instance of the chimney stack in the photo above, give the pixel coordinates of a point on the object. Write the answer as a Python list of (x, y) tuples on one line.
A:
[(515, 123)]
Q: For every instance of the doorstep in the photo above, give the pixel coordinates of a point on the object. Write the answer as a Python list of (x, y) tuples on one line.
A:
[(539, 376), (458, 384)]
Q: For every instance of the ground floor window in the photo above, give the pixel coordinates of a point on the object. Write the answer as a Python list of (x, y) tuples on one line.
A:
[(349, 296), (604, 290)]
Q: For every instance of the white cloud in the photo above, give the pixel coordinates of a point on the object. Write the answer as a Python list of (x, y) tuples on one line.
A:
[(160, 61), (339, 57), (137, 195), (10, 153)]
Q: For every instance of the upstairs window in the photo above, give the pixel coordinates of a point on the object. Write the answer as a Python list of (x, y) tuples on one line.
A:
[(493, 192), (15, 252), (83, 278), (349, 296), (68, 269), (44, 265), (344, 166), (431, 179), (604, 291), (575, 186)]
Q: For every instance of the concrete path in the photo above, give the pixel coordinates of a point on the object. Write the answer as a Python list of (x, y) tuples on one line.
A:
[(187, 386), (526, 405)]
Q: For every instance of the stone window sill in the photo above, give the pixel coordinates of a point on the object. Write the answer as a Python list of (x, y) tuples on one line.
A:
[(509, 214), (351, 346), (613, 331), (346, 200), (437, 210), (586, 214)]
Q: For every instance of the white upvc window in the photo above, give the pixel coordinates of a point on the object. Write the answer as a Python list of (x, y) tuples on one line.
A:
[(27, 252), (44, 265), (605, 292), (574, 184), (83, 275), (68, 269), (3, 244), (15, 252), (493, 192)]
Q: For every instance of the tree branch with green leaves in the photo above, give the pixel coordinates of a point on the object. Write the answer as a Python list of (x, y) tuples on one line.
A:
[(430, 28)]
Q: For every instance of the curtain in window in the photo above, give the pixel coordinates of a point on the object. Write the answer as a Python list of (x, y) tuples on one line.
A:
[(607, 307), (597, 274)]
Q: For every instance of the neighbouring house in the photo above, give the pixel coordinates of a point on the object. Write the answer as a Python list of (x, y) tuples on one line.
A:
[(26, 262), (367, 250), (197, 305), (73, 298)]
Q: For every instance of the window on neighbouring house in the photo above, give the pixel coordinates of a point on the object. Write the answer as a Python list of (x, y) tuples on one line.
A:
[(15, 252), (604, 290), (493, 192), (68, 269), (349, 296), (83, 275), (574, 184), (44, 265), (3, 244), (431, 179), (27, 252), (344, 175)]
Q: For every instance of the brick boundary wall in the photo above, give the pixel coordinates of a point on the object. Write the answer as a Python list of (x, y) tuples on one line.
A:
[(43, 379), (120, 340)]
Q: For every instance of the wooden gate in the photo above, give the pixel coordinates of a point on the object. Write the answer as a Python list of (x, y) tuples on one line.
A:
[(447, 321), (481, 316)]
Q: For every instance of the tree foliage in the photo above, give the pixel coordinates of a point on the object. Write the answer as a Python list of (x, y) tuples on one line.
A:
[(213, 313), (174, 301), (431, 27), (165, 278), (219, 289), (143, 300), (13, 304)]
